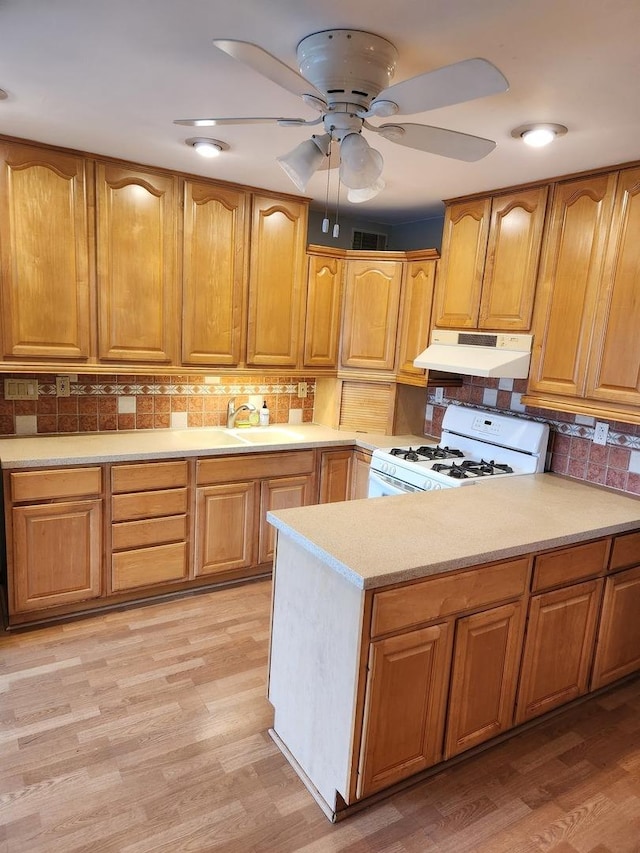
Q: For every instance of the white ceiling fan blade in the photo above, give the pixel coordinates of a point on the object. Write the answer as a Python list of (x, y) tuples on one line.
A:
[(212, 122), (452, 84), (269, 66), (437, 140)]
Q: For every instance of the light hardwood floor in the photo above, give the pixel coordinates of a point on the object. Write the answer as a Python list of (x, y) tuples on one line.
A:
[(146, 730)]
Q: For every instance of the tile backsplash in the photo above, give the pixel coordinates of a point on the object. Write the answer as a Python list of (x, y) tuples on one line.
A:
[(572, 451), (99, 403)]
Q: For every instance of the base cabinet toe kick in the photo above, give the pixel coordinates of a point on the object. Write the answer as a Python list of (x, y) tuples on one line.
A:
[(375, 689)]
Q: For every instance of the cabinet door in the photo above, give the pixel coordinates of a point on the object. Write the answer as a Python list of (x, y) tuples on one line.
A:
[(335, 475), (226, 528), (136, 246), (464, 246), (44, 254), (360, 474), (322, 323), (614, 373), (280, 493), (558, 648), (570, 275), (213, 273), (370, 322), (405, 706), (513, 255), (484, 676), (618, 647), (417, 296), (276, 279), (57, 554)]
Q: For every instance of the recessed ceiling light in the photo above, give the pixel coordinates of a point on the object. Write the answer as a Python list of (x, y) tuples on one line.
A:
[(538, 135), (207, 147)]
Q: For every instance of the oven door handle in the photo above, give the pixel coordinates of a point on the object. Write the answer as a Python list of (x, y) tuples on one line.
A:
[(383, 486)]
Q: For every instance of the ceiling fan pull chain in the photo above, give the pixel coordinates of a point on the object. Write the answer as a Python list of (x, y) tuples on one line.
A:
[(336, 227), (325, 221)]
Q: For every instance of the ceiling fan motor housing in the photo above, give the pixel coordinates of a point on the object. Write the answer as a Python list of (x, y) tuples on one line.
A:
[(349, 66)]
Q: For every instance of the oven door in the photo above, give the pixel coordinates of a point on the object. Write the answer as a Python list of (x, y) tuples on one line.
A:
[(381, 486)]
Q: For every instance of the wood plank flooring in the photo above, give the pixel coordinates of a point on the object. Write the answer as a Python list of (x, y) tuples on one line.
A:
[(146, 730)]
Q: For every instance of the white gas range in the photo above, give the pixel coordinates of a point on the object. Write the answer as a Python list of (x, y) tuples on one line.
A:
[(475, 446)]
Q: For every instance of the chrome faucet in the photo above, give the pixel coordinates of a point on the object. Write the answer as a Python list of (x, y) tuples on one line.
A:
[(232, 412)]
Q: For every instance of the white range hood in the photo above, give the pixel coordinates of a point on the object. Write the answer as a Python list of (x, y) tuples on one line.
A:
[(478, 353)]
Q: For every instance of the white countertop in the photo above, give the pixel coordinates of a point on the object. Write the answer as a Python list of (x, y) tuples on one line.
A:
[(392, 539), (93, 448)]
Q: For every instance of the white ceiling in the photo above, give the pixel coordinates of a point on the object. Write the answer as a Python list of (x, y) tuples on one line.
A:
[(109, 78)]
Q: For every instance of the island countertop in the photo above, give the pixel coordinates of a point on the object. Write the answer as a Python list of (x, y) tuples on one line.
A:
[(380, 541), (39, 451)]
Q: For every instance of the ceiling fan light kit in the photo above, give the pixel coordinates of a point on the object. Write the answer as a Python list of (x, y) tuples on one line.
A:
[(538, 135), (345, 76)]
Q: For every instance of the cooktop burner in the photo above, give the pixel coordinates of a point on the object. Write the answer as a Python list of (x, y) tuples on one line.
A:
[(426, 452), (471, 468)]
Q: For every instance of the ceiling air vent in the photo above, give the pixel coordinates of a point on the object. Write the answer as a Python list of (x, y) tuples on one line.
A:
[(369, 240)]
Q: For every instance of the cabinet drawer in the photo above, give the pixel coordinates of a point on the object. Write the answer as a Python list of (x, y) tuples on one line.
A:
[(59, 483), (413, 604), (148, 566), (625, 552), (148, 476), (149, 505), (570, 564), (254, 467), (149, 531)]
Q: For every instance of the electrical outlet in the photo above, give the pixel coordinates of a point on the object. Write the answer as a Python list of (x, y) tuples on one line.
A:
[(63, 386), (600, 433), (302, 390), (438, 395)]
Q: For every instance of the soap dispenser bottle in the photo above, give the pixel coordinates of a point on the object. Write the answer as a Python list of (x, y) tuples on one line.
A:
[(264, 414)]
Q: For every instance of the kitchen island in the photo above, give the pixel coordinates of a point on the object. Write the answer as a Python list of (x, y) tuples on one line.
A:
[(410, 629)]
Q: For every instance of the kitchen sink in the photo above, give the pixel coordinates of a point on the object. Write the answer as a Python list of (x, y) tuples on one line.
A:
[(266, 435)]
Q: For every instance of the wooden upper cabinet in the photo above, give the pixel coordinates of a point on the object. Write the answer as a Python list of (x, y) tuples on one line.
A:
[(276, 282), (490, 255), (614, 372), (136, 256), (415, 313), (513, 254), (44, 254), (570, 275), (370, 320), (213, 273), (464, 246), (322, 322)]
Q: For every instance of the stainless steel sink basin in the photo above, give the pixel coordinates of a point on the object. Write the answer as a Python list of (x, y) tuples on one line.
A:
[(213, 437), (266, 435)]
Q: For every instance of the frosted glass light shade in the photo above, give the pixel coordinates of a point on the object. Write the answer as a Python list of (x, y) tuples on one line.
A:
[(357, 196), (360, 165), (305, 159)]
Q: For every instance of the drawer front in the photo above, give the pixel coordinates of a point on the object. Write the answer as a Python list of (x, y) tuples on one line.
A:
[(570, 564), (254, 467), (58, 483), (149, 505), (413, 604), (625, 552), (146, 566), (149, 531), (148, 476)]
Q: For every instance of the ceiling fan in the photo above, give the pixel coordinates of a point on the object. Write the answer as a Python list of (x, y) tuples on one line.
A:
[(345, 75)]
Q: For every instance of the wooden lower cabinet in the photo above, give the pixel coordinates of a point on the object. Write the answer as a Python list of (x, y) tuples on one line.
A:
[(558, 648), (360, 474), (335, 475), (149, 524), (226, 534), (486, 660), (618, 649), (405, 706), (57, 554), (280, 493)]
